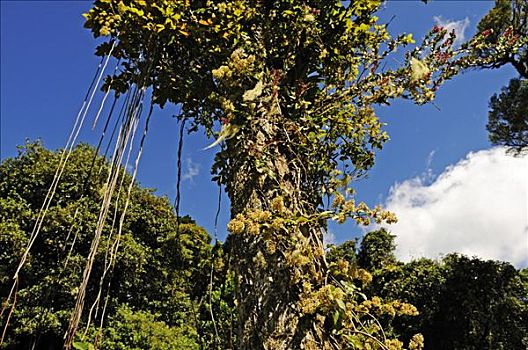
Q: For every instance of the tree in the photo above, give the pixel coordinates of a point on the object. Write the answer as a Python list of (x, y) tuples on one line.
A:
[(159, 277), (419, 283), (463, 303), (293, 86), (508, 117), (139, 330), (489, 302), (345, 251), (506, 22), (377, 250)]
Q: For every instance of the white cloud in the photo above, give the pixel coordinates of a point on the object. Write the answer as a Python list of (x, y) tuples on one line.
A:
[(428, 175), (191, 170), (458, 26), (430, 158), (478, 206)]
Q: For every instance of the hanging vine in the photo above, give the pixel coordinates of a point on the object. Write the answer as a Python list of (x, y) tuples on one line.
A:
[(68, 149)]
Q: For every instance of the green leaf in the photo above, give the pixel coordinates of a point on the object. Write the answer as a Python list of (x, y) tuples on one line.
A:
[(335, 317), (82, 345), (341, 304)]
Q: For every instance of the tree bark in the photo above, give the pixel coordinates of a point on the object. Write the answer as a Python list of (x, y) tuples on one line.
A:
[(269, 287)]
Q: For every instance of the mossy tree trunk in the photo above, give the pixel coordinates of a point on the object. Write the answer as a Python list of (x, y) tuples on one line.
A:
[(272, 257)]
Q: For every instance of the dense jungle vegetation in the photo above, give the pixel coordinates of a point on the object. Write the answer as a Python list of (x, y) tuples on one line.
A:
[(160, 296)]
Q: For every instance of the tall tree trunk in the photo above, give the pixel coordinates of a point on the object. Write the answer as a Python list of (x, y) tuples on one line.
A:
[(273, 262)]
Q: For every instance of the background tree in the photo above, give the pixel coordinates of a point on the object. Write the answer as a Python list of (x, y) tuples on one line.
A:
[(217, 311), (489, 300), (137, 330), (159, 279), (345, 251), (377, 250), (463, 303), (420, 283), (508, 117), (293, 86)]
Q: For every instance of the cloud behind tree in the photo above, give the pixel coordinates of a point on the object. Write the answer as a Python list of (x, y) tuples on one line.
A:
[(475, 207)]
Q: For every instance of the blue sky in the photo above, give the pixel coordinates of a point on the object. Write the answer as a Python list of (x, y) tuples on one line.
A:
[(47, 63)]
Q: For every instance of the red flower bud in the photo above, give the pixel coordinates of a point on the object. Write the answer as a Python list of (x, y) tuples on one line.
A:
[(447, 43), (437, 29), (486, 33)]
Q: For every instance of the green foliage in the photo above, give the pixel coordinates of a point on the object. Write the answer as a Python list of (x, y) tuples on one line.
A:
[(140, 330), (377, 250), (220, 300), (420, 283), (508, 117), (236, 62), (160, 274), (464, 303), (345, 251), (507, 23)]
